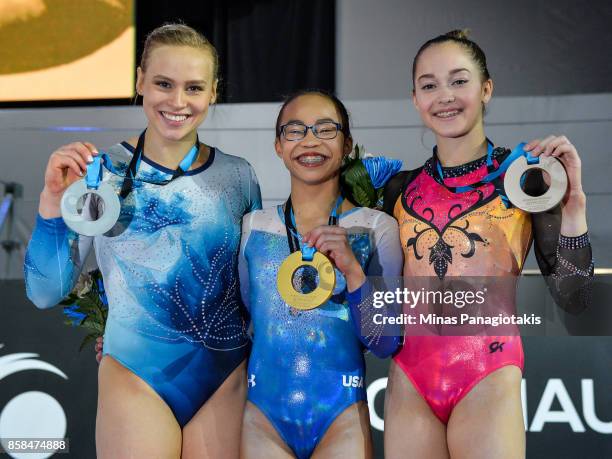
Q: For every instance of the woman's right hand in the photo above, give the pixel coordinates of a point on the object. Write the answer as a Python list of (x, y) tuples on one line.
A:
[(66, 165)]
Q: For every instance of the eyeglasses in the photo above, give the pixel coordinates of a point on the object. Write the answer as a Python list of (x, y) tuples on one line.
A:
[(325, 130)]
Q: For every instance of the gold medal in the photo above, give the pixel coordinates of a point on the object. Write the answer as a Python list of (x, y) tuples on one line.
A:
[(302, 257), (314, 299)]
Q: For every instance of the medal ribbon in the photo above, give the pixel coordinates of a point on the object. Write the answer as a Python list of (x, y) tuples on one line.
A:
[(183, 166), (293, 237), (493, 172), (94, 169)]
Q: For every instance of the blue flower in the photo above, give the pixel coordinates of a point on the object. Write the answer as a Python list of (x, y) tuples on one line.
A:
[(75, 317), (381, 169), (102, 292)]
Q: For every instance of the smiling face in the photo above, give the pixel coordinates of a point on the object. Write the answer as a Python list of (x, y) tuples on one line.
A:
[(449, 91), (312, 160), (177, 88)]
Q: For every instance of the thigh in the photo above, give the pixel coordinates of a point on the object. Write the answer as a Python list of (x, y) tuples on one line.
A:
[(214, 431), (349, 435), (412, 430), (491, 417), (132, 420), (260, 440)]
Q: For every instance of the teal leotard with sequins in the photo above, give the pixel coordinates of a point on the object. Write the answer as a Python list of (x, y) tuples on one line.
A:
[(170, 272)]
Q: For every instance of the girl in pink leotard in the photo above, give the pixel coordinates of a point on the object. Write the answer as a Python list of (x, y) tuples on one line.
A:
[(459, 396)]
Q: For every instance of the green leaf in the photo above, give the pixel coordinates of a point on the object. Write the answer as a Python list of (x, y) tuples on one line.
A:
[(101, 314), (69, 300), (357, 184), (361, 197), (87, 306), (70, 322), (93, 326), (88, 339)]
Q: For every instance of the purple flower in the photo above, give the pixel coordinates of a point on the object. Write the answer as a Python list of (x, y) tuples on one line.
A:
[(381, 169)]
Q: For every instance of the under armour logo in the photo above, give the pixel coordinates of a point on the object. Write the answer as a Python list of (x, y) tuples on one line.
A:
[(251, 381), (495, 346)]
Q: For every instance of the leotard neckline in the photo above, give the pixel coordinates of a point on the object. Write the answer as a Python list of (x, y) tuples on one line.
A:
[(165, 170)]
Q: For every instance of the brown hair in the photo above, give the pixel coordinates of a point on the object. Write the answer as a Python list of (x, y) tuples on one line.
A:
[(461, 38), (176, 34)]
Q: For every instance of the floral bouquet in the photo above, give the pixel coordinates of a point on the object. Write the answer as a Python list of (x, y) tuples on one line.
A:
[(364, 176), (87, 307)]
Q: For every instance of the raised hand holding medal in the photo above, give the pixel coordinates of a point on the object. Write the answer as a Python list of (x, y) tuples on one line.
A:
[(313, 250), (78, 220), (110, 209), (512, 169), (66, 165), (555, 177), (333, 242), (560, 148)]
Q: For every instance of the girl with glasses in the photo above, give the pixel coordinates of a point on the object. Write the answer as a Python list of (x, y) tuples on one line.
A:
[(306, 370), (172, 381), (459, 396)]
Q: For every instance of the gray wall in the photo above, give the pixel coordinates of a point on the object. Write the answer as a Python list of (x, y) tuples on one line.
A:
[(533, 47), (390, 127)]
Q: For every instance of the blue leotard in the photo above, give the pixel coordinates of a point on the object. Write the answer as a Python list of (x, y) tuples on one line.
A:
[(307, 367), (170, 272)]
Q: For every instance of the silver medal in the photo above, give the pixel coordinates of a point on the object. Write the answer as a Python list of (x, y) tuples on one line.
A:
[(78, 222), (536, 204)]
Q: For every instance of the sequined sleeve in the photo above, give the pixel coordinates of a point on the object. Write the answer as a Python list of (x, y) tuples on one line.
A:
[(383, 273), (243, 266), (252, 194), (566, 262), (53, 261), (252, 191)]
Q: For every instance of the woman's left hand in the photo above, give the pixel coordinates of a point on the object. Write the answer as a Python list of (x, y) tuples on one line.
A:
[(332, 241), (573, 205), (561, 148)]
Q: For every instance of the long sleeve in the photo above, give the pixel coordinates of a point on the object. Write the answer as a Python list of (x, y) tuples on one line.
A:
[(53, 261), (243, 265), (566, 262), (383, 273), (252, 191)]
